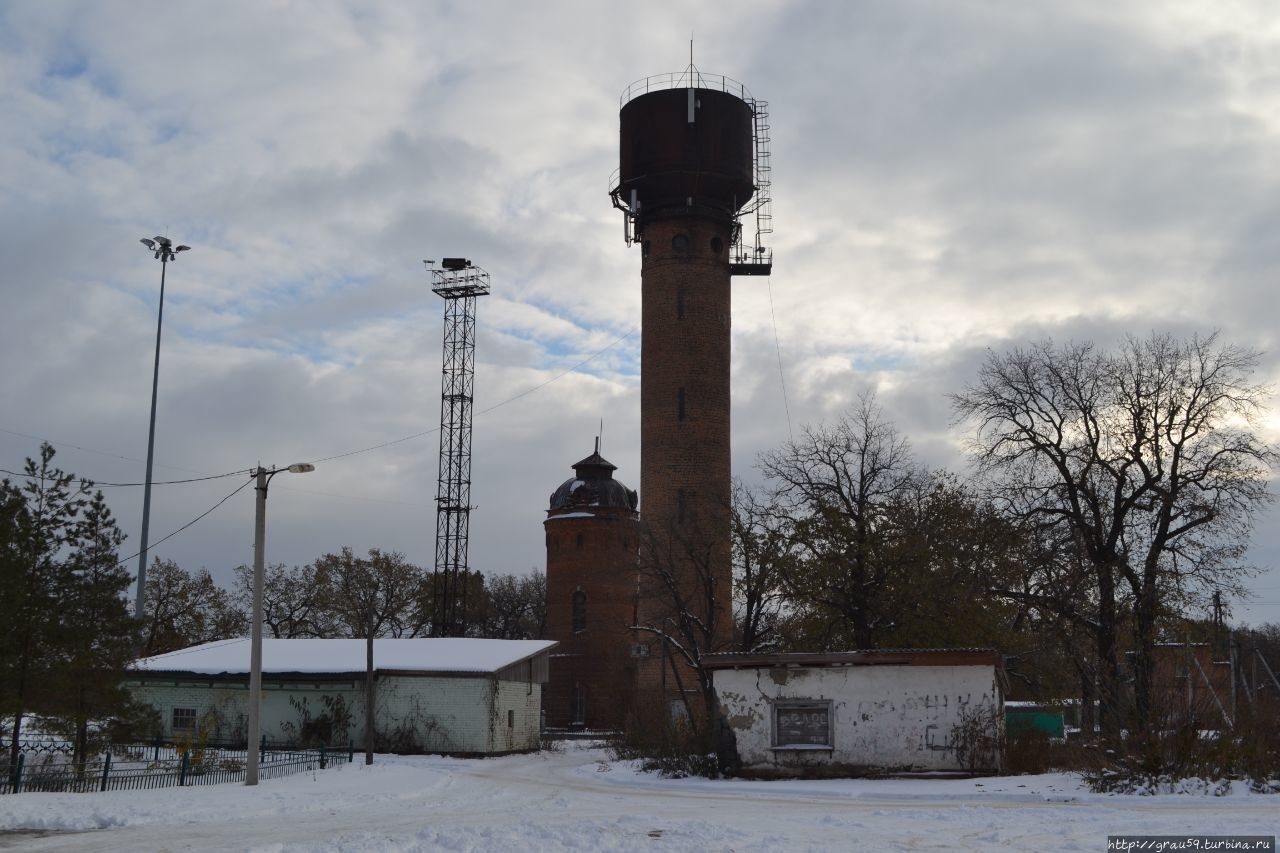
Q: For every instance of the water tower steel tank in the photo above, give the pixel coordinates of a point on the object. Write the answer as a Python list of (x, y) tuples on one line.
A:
[(689, 165), (685, 148)]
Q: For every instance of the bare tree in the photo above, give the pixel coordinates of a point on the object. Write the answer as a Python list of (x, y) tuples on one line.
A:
[(514, 607), (834, 487), (685, 612), (185, 609), (292, 603), (370, 597), (1146, 456), (761, 551)]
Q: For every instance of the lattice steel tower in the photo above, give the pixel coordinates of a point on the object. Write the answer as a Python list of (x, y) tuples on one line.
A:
[(459, 283)]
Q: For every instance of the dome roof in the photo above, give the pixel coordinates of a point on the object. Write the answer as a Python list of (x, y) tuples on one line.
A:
[(594, 486)]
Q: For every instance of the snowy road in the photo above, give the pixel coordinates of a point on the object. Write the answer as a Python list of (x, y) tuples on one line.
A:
[(577, 800)]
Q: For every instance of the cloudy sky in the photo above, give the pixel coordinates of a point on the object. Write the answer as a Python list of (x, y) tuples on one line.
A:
[(948, 178)]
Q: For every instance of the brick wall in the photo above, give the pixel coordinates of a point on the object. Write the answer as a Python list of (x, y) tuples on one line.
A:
[(684, 400), (596, 554)]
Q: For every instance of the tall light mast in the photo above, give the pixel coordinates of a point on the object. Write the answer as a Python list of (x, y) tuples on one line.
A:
[(459, 282)]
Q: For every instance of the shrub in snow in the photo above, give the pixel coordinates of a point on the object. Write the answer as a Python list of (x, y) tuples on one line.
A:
[(1184, 758)]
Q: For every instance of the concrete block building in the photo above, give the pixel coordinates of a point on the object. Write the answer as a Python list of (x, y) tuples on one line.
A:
[(864, 712), (454, 696)]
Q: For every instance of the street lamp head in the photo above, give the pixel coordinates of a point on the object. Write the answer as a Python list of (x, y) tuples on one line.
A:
[(164, 242), (150, 244), (182, 249), (301, 468)]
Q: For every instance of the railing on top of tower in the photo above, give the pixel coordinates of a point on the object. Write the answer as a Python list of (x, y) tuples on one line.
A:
[(686, 79), (744, 259)]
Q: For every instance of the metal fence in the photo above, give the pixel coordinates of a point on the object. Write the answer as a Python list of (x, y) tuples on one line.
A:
[(145, 766)]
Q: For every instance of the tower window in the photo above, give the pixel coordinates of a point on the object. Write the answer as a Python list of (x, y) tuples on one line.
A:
[(680, 503), (680, 304), (680, 243), (579, 612), (579, 540), (680, 405), (717, 245)]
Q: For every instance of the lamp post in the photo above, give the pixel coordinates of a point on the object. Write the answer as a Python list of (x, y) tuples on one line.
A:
[(264, 476), (164, 251)]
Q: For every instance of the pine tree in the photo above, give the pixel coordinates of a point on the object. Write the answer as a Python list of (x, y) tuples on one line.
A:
[(62, 597), (41, 523), (97, 637)]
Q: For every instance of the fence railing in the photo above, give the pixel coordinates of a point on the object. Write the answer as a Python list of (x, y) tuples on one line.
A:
[(689, 78), (51, 770)]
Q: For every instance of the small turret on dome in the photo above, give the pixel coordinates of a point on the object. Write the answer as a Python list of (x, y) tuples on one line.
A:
[(593, 486)]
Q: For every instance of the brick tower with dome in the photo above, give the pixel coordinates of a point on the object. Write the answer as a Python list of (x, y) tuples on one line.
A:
[(592, 548)]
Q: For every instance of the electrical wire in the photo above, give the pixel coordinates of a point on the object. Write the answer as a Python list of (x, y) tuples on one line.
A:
[(96, 483), (64, 444), (782, 379), (510, 399), (372, 447), (586, 360), (237, 491)]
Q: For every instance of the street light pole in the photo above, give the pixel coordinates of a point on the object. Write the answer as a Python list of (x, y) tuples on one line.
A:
[(255, 643), (164, 251)]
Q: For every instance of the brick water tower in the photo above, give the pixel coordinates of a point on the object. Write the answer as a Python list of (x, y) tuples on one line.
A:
[(591, 597), (693, 185)]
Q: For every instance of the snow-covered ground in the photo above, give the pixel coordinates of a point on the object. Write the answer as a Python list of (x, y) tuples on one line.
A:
[(576, 799)]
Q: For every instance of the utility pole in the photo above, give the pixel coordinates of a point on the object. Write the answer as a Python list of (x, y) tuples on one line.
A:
[(263, 476)]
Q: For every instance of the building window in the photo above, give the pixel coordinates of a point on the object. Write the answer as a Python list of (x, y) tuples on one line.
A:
[(578, 713), (579, 612), (802, 724), (184, 720), (511, 719), (680, 304), (579, 540), (680, 405)]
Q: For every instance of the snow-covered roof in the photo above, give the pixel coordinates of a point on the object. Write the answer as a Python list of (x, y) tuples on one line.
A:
[(865, 657), (331, 656)]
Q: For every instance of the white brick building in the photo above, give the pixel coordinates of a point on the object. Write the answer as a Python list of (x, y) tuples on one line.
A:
[(849, 713), (458, 696)]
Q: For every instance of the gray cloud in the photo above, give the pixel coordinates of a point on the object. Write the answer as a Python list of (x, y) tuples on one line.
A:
[(948, 178)]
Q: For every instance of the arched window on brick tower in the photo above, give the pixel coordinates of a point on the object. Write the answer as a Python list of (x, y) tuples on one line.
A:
[(594, 509)]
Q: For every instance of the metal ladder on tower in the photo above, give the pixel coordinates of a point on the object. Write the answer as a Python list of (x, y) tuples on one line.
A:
[(763, 176)]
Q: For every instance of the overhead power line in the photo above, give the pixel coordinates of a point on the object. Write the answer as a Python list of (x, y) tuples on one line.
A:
[(343, 455), (510, 399), (782, 379), (65, 444), (99, 483), (237, 491)]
